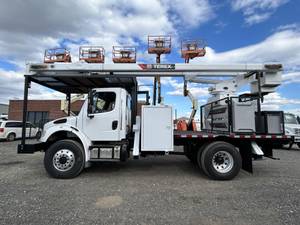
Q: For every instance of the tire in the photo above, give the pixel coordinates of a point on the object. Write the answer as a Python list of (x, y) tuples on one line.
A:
[(298, 145), (38, 135), (198, 155), (11, 137), (64, 159), (220, 160), (192, 152)]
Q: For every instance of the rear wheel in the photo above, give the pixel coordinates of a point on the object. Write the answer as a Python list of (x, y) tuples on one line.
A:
[(64, 159), (11, 137), (191, 152), (220, 160)]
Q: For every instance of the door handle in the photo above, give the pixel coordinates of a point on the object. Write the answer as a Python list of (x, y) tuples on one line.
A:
[(114, 124)]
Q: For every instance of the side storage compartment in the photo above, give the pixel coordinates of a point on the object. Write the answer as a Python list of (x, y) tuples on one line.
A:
[(240, 111), (270, 122), (157, 128)]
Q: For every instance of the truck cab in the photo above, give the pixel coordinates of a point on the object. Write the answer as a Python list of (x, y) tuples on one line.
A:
[(104, 116), (101, 128), (292, 127)]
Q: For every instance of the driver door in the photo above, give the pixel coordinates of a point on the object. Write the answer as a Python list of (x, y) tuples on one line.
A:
[(102, 122)]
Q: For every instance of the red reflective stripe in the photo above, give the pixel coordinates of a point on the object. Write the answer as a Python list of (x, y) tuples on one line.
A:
[(143, 66)]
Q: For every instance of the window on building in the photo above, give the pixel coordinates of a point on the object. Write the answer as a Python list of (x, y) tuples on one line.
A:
[(38, 118)]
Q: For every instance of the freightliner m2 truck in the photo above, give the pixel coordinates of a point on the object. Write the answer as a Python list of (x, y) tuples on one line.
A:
[(234, 129)]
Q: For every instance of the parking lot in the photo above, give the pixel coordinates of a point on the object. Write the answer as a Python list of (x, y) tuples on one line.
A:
[(153, 190)]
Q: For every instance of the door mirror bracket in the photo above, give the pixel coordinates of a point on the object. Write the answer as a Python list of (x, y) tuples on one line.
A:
[(90, 103)]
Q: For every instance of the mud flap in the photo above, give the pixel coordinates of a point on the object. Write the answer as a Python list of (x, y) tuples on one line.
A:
[(246, 154), (268, 150)]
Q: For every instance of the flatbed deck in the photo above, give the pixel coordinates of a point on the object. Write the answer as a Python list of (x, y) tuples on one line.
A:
[(205, 135)]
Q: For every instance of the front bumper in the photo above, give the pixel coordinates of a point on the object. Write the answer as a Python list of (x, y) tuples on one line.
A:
[(30, 148), (296, 139)]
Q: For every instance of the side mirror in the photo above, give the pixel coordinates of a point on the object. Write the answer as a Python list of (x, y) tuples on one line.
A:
[(90, 104)]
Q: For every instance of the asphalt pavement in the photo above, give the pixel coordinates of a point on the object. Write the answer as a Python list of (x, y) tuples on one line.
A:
[(152, 190)]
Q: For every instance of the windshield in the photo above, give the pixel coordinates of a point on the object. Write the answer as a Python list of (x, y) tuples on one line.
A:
[(290, 118)]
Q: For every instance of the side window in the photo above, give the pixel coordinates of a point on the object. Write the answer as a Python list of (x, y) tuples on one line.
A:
[(28, 125), (14, 124), (19, 124), (104, 102), (8, 124)]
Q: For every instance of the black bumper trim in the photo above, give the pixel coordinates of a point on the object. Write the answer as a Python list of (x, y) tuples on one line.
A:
[(30, 148)]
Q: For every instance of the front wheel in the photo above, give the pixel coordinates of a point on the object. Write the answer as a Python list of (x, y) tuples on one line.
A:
[(220, 160), (64, 159)]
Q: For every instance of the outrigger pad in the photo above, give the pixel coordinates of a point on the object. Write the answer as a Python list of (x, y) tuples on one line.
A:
[(268, 150)]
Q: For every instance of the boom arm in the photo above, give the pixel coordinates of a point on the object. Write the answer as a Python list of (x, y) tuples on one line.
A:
[(266, 82)]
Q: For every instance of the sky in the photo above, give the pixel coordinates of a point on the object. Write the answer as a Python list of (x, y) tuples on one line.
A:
[(236, 31)]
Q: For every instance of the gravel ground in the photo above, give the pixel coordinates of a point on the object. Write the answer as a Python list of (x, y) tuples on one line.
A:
[(153, 190)]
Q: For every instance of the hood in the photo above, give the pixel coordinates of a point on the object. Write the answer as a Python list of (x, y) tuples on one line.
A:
[(70, 120), (291, 125)]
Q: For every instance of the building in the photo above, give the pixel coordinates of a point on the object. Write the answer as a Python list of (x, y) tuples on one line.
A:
[(40, 111), (3, 109)]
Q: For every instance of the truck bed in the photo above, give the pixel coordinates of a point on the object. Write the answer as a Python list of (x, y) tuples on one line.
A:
[(208, 135)]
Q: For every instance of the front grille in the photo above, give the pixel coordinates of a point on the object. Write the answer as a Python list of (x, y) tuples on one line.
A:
[(297, 131)]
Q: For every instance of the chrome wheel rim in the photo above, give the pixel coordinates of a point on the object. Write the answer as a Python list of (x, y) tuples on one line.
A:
[(222, 161), (63, 160)]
